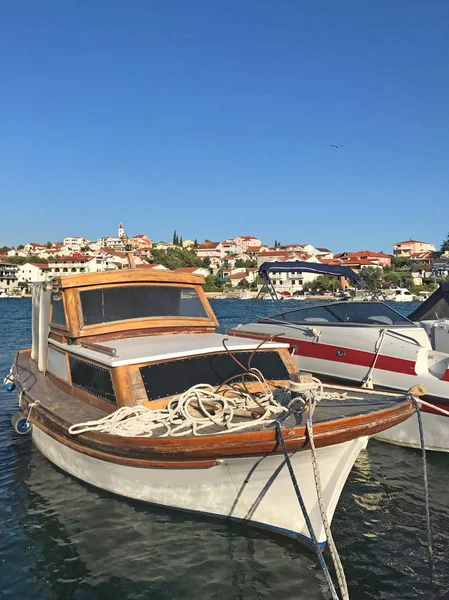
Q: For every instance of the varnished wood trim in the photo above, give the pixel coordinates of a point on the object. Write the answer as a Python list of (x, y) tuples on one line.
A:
[(129, 276), (209, 447), (74, 318), (57, 336), (120, 380), (76, 327), (146, 332), (287, 359), (148, 322), (113, 458), (205, 302)]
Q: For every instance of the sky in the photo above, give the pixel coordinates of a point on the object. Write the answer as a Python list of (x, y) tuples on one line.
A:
[(216, 118)]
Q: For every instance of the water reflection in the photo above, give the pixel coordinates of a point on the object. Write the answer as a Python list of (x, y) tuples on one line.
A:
[(84, 540)]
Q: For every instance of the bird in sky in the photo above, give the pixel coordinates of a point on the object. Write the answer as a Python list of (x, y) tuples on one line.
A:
[(335, 146)]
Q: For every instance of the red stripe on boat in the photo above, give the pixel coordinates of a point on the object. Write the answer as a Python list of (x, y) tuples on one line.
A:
[(428, 409), (445, 376), (359, 358)]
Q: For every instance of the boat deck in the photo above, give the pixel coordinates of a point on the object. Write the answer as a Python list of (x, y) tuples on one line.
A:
[(67, 410)]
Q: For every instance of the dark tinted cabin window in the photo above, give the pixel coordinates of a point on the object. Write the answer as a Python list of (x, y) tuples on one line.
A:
[(57, 314), (363, 313), (92, 379), (139, 301), (315, 314), (166, 379), (367, 313)]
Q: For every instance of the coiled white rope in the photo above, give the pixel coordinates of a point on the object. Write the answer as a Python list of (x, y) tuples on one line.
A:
[(316, 386), (196, 409)]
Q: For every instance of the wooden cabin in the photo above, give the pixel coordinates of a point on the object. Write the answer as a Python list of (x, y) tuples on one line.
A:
[(126, 337)]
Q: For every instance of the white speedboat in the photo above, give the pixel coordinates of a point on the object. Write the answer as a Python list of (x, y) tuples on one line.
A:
[(129, 388), (367, 344), (399, 295)]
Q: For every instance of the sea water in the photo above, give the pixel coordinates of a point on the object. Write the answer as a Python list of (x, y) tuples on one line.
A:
[(61, 539)]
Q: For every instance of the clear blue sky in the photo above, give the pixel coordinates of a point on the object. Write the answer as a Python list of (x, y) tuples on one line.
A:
[(215, 118)]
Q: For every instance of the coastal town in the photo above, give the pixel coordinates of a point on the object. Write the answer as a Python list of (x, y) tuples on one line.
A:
[(231, 264)]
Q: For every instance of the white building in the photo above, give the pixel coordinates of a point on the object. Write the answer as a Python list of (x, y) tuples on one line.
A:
[(112, 242), (8, 275), (74, 244), (30, 273), (230, 248), (236, 275), (16, 252), (211, 250), (33, 249), (72, 265)]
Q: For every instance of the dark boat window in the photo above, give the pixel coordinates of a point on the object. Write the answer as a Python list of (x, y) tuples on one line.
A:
[(57, 313), (435, 307), (314, 314), (138, 302), (92, 379), (362, 313), (177, 376)]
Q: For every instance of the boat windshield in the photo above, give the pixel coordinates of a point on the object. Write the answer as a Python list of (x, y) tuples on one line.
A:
[(121, 303), (357, 313)]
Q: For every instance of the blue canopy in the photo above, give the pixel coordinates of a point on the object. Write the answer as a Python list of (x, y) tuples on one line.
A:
[(306, 267)]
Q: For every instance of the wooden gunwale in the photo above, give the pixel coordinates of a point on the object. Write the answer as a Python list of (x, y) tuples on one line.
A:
[(213, 447)]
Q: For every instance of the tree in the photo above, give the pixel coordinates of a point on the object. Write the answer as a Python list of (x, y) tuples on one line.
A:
[(180, 241), (324, 283), (257, 282), (4, 249), (175, 238), (445, 245), (21, 260), (48, 245), (399, 262), (174, 258), (195, 243), (20, 247), (371, 277), (239, 263), (397, 279), (243, 283), (212, 281), (85, 249)]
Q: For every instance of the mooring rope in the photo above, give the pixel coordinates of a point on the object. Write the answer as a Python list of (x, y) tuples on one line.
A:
[(311, 399), (305, 514), (426, 487)]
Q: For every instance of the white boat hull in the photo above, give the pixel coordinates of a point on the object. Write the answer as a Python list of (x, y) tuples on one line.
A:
[(436, 433), (257, 490), (347, 355)]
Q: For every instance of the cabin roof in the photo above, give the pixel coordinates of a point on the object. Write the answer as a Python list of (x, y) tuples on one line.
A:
[(158, 348), (129, 276)]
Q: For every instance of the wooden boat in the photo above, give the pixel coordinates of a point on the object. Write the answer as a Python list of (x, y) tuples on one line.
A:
[(129, 339), (367, 343)]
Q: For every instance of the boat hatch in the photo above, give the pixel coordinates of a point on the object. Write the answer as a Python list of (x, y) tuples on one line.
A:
[(351, 313)]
